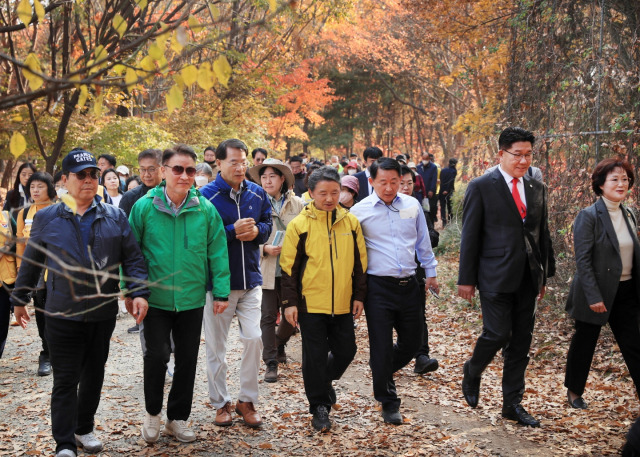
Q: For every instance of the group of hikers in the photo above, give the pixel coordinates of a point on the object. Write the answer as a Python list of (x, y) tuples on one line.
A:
[(318, 244)]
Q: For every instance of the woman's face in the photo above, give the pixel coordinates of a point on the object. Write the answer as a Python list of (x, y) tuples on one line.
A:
[(271, 182), (38, 191), (132, 184), (111, 181), (25, 174), (616, 185)]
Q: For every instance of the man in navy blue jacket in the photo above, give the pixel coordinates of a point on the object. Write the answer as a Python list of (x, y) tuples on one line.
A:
[(246, 213), (429, 173)]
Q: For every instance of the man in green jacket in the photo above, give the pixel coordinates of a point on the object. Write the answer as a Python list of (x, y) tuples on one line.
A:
[(183, 241)]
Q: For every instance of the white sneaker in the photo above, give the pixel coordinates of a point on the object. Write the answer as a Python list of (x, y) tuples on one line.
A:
[(151, 428), (66, 453), (89, 442), (179, 430)]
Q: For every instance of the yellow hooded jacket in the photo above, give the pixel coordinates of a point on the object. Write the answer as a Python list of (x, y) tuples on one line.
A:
[(323, 262)]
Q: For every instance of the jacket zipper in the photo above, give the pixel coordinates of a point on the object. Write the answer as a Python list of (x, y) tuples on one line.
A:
[(244, 276), (332, 272)]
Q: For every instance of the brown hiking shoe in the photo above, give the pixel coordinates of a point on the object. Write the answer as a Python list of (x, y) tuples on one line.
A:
[(248, 413)]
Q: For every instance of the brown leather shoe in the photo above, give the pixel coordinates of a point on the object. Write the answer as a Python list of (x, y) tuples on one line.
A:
[(223, 415), (248, 413)]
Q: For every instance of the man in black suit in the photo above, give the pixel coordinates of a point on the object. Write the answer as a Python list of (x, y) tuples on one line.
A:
[(504, 252), (371, 154)]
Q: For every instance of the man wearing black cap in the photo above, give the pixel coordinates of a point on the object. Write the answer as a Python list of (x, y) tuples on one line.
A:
[(81, 309)]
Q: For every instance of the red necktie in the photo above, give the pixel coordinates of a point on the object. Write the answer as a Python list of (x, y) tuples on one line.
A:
[(516, 197)]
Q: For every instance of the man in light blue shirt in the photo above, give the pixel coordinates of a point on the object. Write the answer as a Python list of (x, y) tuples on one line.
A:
[(395, 230)]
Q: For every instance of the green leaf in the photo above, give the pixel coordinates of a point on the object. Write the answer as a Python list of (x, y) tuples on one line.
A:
[(222, 69), (17, 145)]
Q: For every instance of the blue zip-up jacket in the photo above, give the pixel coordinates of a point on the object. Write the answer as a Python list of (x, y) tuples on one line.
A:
[(56, 237), (429, 175), (244, 256)]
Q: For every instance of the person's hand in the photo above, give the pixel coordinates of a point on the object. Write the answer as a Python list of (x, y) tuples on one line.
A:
[(22, 315), (444, 192), (272, 250), (358, 307), (248, 236), (543, 291), (291, 315), (139, 308), (432, 283), (244, 225), (467, 292), (598, 307), (430, 194), (219, 306)]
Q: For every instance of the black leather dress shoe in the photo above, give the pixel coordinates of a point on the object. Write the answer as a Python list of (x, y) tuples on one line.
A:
[(470, 386), (44, 365), (392, 416), (519, 414), (577, 403), (425, 364)]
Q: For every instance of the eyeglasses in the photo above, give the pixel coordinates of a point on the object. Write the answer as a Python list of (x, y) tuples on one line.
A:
[(519, 157), (177, 170), (236, 164), (144, 171), (82, 175)]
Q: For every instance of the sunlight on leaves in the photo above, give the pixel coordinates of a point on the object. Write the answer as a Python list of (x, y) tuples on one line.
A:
[(17, 145), (223, 70)]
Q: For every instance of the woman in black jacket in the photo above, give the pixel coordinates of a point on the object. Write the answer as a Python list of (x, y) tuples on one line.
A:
[(606, 286), (16, 198)]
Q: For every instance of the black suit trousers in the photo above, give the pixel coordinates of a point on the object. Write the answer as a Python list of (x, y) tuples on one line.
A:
[(507, 323), (623, 321)]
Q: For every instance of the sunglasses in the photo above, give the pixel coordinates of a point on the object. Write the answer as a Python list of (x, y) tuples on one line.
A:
[(179, 169), (82, 175)]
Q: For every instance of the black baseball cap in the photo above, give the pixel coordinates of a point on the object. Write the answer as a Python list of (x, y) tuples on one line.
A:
[(77, 160)]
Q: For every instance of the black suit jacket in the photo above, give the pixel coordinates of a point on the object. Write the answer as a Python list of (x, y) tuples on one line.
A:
[(496, 244), (363, 181)]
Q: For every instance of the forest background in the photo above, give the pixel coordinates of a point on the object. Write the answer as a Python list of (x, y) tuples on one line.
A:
[(328, 77)]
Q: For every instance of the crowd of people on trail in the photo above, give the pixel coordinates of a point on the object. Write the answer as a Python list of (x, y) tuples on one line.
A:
[(299, 245)]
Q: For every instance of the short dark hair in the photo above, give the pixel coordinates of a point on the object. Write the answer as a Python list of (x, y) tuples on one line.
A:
[(135, 178), (209, 148), (606, 166), (57, 177), (405, 170), (109, 158), (296, 159), (313, 167), (257, 150), (372, 151), (384, 163), (178, 149), (325, 173), (45, 178), (512, 135), (221, 150), (155, 154), (453, 162)]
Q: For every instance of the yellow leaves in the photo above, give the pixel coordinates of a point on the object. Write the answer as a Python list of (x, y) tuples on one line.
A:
[(97, 106), (142, 4), (163, 37), (148, 65), (131, 77), (70, 202), (174, 99), (273, 5), (222, 69), (155, 51), (99, 54), (179, 39), (206, 77), (17, 145), (39, 9), (119, 24), (215, 11), (447, 81), (82, 99), (189, 74), (31, 72), (24, 11), (194, 24)]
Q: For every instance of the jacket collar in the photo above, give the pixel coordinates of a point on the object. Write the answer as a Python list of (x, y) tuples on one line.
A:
[(603, 215), (160, 201), (314, 213), (226, 188)]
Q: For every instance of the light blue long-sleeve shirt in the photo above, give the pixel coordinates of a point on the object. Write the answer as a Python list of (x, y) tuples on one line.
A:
[(394, 234)]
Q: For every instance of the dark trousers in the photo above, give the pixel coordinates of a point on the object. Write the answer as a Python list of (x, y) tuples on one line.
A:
[(5, 317), (390, 305), (39, 299), (507, 323), (421, 276), (623, 321), (78, 352), (272, 337), (433, 208), (186, 328), (328, 347), (445, 208)]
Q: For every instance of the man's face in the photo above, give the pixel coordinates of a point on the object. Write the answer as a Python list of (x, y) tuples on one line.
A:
[(150, 172), (179, 184), (233, 168), (516, 160), (386, 185), (259, 158), (209, 156), (81, 186), (296, 167), (370, 161), (103, 164), (425, 157)]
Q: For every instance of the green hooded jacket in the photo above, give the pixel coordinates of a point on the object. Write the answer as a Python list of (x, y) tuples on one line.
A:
[(184, 253)]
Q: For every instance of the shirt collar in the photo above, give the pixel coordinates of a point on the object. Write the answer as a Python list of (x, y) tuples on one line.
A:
[(376, 199), (69, 210), (172, 205), (507, 177)]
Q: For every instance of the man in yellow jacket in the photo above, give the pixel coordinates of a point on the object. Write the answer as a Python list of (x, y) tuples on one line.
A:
[(324, 251)]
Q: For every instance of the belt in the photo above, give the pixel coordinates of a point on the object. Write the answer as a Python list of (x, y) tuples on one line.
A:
[(398, 281)]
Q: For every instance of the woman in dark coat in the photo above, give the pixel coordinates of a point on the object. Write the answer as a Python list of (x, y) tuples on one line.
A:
[(606, 285), (16, 197)]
